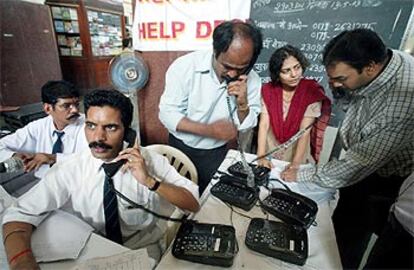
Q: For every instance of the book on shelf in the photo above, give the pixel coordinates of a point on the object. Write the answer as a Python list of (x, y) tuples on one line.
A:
[(73, 42), (73, 14), (59, 27), (65, 51), (56, 13), (76, 52), (68, 27), (65, 13), (75, 26), (61, 39)]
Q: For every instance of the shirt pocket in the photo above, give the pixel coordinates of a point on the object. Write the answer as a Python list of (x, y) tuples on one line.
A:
[(130, 214)]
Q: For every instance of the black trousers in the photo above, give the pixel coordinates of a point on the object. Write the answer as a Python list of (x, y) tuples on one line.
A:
[(393, 248), (362, 210), (206, 161)]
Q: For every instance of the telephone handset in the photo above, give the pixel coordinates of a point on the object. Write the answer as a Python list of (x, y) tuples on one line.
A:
[(129, 137), (291, 207), (229, 79)]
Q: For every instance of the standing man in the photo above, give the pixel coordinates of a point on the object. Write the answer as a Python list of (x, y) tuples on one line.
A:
[(45, 141), (81, 185), (377, 134), (201, 108)]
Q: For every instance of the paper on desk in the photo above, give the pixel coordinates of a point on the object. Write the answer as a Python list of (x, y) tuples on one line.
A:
[(129, 260), (60, 236), (311, 190)]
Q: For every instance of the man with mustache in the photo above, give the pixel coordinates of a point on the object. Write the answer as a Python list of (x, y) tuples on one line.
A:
[(34, 142), (377, 133), (78, 186)]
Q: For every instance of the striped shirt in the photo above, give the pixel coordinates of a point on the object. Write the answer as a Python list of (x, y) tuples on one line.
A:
[(377, 131)]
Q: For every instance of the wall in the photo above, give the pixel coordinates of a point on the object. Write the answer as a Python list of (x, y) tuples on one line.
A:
[(152, 131)]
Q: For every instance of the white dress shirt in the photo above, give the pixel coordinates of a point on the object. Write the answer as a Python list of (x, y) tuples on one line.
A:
[(38, 137), (193, 90), (403, 208), (77, 185)]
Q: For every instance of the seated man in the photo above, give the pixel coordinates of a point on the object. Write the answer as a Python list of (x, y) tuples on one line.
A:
[(79, 185), (45, 141)]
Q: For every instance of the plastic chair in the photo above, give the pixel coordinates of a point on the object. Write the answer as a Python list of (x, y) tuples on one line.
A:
[(177, 159), (186, 168)]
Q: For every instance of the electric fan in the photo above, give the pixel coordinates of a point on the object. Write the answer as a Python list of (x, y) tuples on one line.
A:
[(128, 73)]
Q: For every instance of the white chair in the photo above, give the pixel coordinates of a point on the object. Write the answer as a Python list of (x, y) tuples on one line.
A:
[(186, 168), (177, 159)]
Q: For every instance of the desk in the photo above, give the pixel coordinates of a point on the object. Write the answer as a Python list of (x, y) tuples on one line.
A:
[(323, 250), (96, 246)]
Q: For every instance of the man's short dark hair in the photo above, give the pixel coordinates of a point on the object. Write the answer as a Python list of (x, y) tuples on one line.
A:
[(357, 48), (52, 90), (224, 34), (280, 55), (111, 98)]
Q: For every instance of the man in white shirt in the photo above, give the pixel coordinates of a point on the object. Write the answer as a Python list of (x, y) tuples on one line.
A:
[(210, 94), (77, 185), (34, 142), (394, 247)]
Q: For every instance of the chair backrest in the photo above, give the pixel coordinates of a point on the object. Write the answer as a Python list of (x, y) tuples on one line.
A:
[(186, 168), (178, 159)]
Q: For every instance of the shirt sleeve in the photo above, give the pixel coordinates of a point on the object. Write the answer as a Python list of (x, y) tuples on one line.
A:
[(19, 141), (173, 102), (35, 205), (364, 157), (164, 171), (313, 110)]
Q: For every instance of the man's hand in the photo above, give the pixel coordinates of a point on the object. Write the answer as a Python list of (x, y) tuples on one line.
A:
[(34, 161), (265, 163), (239, 89), (222, 130), (136, 165), (289, 174)]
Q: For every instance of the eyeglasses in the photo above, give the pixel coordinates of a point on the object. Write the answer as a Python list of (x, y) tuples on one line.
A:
[(68, 106)]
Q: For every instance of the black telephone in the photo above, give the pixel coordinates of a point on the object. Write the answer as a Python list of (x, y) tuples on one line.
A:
[(291, 207), (261, 174), (129, 137), (279, 240), (213, 244), (229, 79), (235, 191)]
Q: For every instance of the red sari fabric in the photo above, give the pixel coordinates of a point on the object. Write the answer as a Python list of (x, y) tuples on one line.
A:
[(306, 93)]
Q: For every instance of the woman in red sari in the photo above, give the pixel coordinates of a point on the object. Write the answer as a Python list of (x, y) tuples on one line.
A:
[(291, 103)]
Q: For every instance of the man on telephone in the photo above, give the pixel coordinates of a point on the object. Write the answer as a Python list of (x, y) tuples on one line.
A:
[(82, 185), (210, 94)]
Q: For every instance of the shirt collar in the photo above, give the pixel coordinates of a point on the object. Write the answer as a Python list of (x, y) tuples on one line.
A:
[(384, 77), (205, 65), (97, 163), (67, 128)]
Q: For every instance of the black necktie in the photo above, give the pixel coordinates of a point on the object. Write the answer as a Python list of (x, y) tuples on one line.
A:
[(57, 147), (110, 202)]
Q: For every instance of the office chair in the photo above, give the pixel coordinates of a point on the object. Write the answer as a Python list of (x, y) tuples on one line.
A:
[(177, 159), (186, 168)]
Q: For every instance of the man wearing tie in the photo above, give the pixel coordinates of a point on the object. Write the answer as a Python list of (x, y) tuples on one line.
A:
[(82, 185), (43, 142)]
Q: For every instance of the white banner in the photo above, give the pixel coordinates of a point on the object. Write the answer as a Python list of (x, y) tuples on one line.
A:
[(182, 25)]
